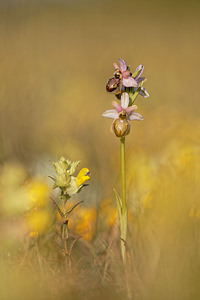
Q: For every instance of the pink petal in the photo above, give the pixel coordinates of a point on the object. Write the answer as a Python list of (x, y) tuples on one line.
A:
[(126, 74), (135, 116), (124, 100), (116, 66), (111, 113), (129, 82), (117, 107), (122, 65), (130, 109)]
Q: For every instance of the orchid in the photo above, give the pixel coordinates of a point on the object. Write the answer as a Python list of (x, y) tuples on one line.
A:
[(126, 87), (127, 79), (122, 114), (123, 108), (123, 78)]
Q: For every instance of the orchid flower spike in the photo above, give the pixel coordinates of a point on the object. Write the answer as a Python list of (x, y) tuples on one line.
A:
[(122, 114)]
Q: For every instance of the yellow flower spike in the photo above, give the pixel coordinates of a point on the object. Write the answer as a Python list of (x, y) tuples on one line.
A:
[(83, 176)]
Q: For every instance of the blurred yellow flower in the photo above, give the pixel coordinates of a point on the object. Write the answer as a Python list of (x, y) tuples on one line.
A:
[(38, 222), (38, 192), (84, 223), (38, 218)]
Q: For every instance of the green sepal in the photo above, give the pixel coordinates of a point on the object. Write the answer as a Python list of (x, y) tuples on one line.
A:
[(137, 72)]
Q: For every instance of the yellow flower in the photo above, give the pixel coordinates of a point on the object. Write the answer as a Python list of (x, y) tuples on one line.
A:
[(84, 225), (69, 184), (38, 192), (83, 176), (38, 222)]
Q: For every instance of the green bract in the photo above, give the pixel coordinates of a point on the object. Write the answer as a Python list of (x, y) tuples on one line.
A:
[(72, 187), (64, 179), (65, 166)]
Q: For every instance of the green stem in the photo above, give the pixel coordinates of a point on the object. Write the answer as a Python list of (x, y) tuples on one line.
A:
[(133, 96), (123, 218)]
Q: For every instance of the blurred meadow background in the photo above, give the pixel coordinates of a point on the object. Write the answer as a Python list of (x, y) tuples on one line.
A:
[(56, 58)]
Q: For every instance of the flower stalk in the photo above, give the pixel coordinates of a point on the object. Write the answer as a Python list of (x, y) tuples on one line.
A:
[(123, 215)]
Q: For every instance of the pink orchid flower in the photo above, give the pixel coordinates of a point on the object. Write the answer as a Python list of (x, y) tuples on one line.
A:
[(123, 109), (127, 79)]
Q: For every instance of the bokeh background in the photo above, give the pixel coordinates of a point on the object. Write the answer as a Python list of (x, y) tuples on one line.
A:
[(56, 58)]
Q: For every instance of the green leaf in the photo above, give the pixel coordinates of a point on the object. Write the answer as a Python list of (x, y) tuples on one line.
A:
[(82, 186), (71, 209), (119, 202), (58, 209)]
